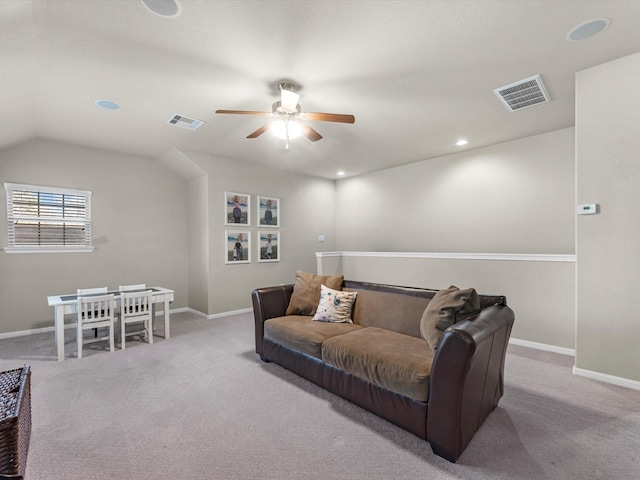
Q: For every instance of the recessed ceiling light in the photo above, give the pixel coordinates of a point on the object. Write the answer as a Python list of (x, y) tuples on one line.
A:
[(588, 29), (462, 142), (164, 8), (108, 105), (340, 173)]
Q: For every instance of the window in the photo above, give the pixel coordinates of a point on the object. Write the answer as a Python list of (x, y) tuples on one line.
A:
[(48, 219)]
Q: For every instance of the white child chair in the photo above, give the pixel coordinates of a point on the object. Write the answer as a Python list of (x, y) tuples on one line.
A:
[(96, 311), (136, 307), (92, 291)]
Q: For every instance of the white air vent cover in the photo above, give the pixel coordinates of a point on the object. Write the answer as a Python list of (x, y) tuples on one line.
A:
[(185, 122), (522, 94)]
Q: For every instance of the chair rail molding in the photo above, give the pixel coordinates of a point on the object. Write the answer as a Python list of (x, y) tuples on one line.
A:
[(520, 257)]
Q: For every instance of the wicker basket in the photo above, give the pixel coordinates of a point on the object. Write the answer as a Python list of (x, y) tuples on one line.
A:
[(15, 421)]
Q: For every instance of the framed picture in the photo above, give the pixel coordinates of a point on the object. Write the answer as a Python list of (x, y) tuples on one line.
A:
[(237, 246), (237, 208), (269, 244), (268, 211)]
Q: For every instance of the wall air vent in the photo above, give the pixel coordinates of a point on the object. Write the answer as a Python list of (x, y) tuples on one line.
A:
[(523, 94), (185, 122)]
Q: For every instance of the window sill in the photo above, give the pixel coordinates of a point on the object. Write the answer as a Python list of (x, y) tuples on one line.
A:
[(48, 249)]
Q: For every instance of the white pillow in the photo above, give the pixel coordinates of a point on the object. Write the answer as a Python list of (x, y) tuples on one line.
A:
[(334, 306)]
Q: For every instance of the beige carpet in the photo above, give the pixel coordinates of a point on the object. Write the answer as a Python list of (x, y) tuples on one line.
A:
[(203, 406)]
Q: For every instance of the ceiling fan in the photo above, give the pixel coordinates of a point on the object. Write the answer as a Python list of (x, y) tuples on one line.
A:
[(288, 111)]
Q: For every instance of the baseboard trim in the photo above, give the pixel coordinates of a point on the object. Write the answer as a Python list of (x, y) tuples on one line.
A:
[(33, 331), (24, 333), (174, 310), (603, 377), (543, 346), (197, 313), (213, 316), (229, 313)]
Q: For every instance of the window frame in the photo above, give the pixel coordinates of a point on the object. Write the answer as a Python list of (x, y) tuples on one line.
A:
[(11, 218)]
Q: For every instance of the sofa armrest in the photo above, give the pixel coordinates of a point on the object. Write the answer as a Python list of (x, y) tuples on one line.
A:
[(467, 379), (269, 302)]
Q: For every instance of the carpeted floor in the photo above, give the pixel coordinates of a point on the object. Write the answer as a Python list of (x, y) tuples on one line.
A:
[(203, 406)]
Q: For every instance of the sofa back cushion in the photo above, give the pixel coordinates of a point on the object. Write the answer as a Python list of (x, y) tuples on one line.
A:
[(397, 308), (394, 308), (448, 306), (306, 292)]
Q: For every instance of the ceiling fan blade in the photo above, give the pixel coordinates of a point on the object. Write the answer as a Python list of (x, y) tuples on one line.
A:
[(244, 112), (330, 117), (310, 133), (259, 131)]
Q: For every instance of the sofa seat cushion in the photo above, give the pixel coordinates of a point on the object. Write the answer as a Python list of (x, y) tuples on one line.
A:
[(400, 363), (299, 332)]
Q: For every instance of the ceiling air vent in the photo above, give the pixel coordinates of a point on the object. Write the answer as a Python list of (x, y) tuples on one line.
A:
[(185, 122), (522, 94)]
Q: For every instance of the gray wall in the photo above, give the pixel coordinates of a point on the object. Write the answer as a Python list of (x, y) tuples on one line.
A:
[(608, 173), (524, 282), (307, 206), (159, 223), (139, 221), (515, 197), (198, 228)]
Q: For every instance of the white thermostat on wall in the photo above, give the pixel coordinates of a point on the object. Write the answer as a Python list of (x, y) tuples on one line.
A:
[(588, 209)]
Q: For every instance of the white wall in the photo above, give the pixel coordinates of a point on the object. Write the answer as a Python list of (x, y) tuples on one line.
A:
[(138, 227), (608, 173)]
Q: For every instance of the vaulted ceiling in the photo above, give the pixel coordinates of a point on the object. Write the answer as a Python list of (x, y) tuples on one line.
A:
[(417, 75)]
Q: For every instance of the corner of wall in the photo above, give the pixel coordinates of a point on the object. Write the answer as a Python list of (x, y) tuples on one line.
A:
[(181, 165)]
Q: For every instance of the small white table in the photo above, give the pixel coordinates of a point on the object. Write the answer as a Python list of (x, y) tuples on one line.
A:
[(66, 304)]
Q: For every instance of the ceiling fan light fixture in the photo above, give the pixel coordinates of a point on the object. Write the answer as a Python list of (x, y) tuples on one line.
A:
[(288, 113), (289, 100), (280, 128)]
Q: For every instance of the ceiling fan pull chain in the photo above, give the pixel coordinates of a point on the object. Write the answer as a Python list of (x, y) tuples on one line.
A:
[(286, 132)]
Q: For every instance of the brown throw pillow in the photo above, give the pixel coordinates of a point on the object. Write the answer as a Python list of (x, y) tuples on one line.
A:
[(447, 307), (306, 292)]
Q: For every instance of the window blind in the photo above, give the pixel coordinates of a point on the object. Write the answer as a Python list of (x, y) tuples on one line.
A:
[(46, 217)]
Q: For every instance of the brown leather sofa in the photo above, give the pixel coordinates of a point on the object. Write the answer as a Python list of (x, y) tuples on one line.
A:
[(463, 383)]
